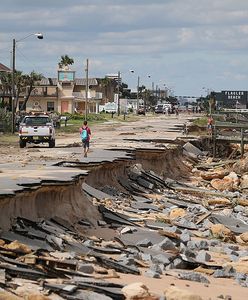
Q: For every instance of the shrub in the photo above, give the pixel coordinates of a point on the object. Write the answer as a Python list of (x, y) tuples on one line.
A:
[(5, 120)]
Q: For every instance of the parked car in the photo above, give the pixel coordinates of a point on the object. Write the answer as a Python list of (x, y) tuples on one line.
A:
[(159, 109), (163, 108), (37, 128), (110, 107), (141, 110)]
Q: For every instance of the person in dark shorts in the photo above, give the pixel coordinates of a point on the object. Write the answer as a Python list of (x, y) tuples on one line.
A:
[(210, 125), (85, 136)]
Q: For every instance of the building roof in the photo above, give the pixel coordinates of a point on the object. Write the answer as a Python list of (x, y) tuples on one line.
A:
[(49, 81), (78, 81), (82, 81), (3, 68)]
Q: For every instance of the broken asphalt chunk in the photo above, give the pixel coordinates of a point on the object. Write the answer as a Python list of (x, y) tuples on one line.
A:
[(234, 224), (226, 272), (95, 192), (34, 244), (23, 272), (89, 295), (114, 217), (112, 292), (119, 267), (192, 276), (165, 245), (152, 274), (61, 288)]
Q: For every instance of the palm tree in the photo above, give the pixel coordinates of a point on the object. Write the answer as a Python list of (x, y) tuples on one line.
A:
[(107, 87), (27, 83), (6, 87), (65, 61)]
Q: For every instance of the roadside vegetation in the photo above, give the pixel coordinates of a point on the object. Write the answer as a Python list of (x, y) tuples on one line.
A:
[(201, 122), (72, 125), (75, 121), (5, 120)]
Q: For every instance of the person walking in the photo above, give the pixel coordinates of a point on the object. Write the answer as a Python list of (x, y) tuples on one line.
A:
[(85, 134), (210, 125)]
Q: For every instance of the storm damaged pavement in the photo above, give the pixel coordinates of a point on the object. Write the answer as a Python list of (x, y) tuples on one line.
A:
[(159, 214)]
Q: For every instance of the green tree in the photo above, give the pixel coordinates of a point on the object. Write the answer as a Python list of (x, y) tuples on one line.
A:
[(146, 96), (125, 92), (65, 61), (5, 87), (5, 119), (108, 86), (28, 83)]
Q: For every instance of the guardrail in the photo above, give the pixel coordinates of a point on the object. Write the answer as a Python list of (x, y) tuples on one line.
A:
[(238, 136)]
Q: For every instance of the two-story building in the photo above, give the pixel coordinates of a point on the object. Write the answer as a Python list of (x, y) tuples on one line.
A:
[(5, 90), (65, 94)]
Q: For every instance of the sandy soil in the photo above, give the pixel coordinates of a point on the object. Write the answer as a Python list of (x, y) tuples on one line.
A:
[(110, 135), (216, 288), (106, 135)]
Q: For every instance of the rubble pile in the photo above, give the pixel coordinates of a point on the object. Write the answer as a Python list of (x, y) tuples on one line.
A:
[(194, 231)]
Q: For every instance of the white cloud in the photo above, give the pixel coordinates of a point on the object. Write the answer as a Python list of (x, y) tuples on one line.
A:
[(190, 42)]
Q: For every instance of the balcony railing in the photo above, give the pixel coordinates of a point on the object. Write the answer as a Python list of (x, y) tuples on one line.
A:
[(43, 93), (5, 94), (91, 95)]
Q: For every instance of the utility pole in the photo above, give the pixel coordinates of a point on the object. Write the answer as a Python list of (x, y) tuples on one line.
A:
[(39, 35), (118, 96), (165, 92), (156, 93), (13, 88), (86, 88), (138, 94)]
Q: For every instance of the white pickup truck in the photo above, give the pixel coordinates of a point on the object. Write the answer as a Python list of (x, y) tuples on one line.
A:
[(36, 129)]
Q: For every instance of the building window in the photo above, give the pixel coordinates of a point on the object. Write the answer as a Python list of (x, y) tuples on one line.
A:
[(50, 106), (20, 105)]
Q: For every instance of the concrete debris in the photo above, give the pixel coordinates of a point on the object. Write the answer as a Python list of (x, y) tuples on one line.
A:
[(190, 148), (192, 276), (185, 236), (152, 274), (85, 268), (160, 259), (148, 225), (17, 247), (144, 243), (174, 293), (221, 232), (177, 213), (165, 245), (244, 237), (136, 290), (203, 256), (226, 272)]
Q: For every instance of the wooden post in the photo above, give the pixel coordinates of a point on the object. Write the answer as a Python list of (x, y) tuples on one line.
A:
[(214, 141), (86, 89), (242, 142)]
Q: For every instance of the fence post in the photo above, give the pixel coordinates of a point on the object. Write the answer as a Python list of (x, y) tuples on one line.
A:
[(242, 142)]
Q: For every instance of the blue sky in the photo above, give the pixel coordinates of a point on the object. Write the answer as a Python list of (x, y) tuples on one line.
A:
[(181, 44)]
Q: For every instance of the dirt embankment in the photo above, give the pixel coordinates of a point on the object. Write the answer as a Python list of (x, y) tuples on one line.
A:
[(71, 203)]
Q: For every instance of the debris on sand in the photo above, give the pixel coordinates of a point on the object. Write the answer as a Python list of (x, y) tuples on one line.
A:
[(194, 231)]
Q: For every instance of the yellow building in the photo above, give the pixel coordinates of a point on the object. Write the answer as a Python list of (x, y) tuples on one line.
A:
[(65, 94)]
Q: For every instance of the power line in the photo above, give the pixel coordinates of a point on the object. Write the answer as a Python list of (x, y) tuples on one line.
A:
[(26, 60)]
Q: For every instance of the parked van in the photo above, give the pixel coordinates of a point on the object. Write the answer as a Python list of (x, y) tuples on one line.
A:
[(163, 108), (159, 109)]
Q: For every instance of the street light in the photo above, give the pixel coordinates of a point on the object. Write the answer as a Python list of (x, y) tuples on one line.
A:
[(138, 86), (138, 83), (39, 35), (86, 89), (118, 93)]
